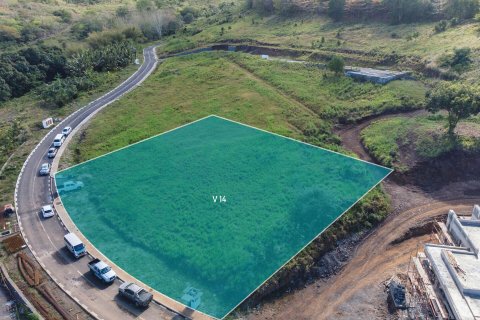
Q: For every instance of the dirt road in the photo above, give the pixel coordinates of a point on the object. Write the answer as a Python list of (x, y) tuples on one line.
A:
[(357, 291)]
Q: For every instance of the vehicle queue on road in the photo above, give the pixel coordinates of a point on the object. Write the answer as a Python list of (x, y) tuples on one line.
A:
[(132, 292)]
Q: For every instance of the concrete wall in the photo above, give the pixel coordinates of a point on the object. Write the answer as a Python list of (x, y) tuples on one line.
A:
[(455, 227)]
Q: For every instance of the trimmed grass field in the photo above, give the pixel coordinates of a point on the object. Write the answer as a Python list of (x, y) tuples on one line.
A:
[(394, 141), (160, 203)]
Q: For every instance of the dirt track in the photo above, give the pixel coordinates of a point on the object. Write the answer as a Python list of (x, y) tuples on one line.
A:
[(357, 291)]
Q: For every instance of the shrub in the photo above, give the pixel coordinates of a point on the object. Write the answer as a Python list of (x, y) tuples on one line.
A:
[(31, 32), (63, 14), (189, 14), (103, 38), (59, 92), (122, 12), (8, 33), (84, 27), (441, 26), (336, 65), (458, 61)]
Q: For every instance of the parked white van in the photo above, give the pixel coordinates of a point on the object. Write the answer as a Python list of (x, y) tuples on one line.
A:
[(58, 141), (75, 245)]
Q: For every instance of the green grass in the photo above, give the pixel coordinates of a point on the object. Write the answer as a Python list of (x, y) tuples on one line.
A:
[(280, 194), (185, 89), (338, 98), (399, 141), (262, 93), (302, 30)]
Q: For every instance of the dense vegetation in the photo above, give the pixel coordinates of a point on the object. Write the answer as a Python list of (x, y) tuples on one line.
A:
[(29, 68), (398, 11)]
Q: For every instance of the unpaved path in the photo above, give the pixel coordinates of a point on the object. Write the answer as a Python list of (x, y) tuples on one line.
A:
[(357, 291), (350, 134)]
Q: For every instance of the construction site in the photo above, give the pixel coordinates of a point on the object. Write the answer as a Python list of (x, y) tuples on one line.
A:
[(443, 279)]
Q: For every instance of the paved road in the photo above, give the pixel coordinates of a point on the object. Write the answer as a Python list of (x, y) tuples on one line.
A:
[(45, 236)]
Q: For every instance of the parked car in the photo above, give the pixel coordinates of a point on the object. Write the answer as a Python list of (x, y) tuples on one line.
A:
[(66, 131), (47, 211), (52, 152), (58, 140), (102, 271), (45, 169), (8, 210), (136, 294), (75, 245), (70, 186)]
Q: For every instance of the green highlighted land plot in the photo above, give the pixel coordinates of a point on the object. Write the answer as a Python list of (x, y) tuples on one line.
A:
[(207, 212)]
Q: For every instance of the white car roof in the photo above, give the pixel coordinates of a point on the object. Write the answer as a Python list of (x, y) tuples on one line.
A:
[(59, 136), (47, 207), (72, 239), (44, 165), (67, 128)]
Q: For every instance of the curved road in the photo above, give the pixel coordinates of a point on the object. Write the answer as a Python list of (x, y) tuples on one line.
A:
[(45, 236)]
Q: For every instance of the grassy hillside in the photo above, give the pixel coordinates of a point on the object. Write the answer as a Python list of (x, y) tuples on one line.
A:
[(187, 88), (262, 93), (307, 31), (401, 141)]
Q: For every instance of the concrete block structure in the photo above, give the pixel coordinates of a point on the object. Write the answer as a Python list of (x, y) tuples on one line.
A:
[(375, 75), (455, 270)]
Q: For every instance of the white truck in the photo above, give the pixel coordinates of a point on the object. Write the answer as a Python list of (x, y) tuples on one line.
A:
[(102, 271), (69, 186)]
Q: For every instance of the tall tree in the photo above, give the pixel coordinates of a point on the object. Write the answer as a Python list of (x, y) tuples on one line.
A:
[(336, 65), (459, 100)]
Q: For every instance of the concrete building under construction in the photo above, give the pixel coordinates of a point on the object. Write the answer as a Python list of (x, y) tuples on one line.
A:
[(446, 276)]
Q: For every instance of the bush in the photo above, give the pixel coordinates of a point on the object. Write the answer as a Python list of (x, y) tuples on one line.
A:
[(134, 34), (31, 32), (103, 38), (336, 65), (8, 33), (84, 27), (189, 14), (111, 57), (458, 61), (441, 26), (63, 14), (145, 5), (122, 12), (59, 92)]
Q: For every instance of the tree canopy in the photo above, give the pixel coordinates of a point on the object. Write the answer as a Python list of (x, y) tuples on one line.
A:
[(459, 100), (336, 65)]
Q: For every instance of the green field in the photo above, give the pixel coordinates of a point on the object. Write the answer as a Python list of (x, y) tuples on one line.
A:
[(158, 203), (393, 141), (245, 88)]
